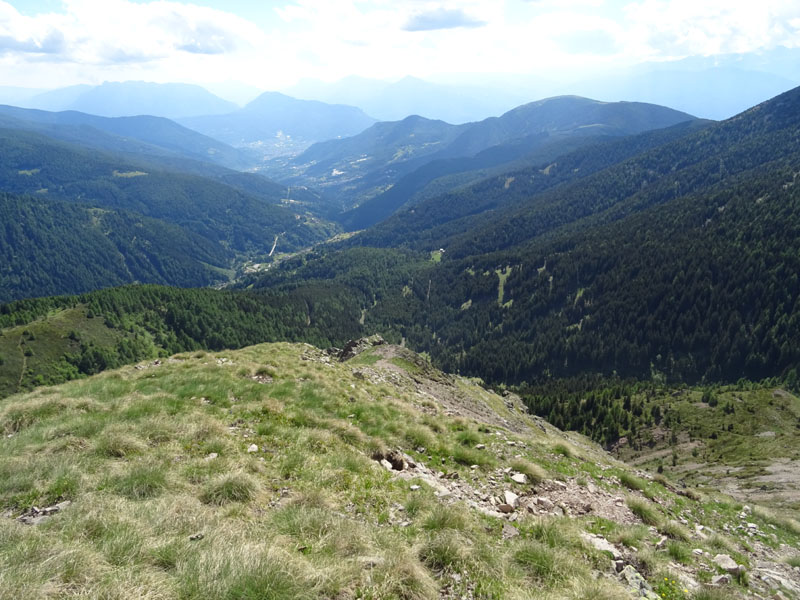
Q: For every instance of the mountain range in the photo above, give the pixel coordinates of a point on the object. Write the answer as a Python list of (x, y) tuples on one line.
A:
[(572, 278), (133, 98), (355, 170), (277, 124)]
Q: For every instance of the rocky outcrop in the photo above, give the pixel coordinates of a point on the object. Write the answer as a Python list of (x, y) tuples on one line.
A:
[(355, 347)]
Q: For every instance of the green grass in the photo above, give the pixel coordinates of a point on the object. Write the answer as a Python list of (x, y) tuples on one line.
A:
[(646, 511), (168, 503), (140, 482), (679, 552), (534, 472), (228, 488), (632, 482), (793, 561), (675, 531)]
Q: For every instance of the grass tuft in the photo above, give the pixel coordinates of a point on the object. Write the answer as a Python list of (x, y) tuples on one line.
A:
[(632, 482), (674, 530), (118, 445), (444, 517), (444, 551), (227, 489), (645, 510), (535, 473), (140, 482), (564, 450)]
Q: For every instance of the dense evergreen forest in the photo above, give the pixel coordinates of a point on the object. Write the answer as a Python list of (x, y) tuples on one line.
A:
[(680, 262), (65, 337), (49, 247)]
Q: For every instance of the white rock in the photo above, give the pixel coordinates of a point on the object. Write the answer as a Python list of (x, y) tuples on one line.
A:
[(723, 561), (519, 478), (511, 498), (602, 544), (386, 464), (252, 448)]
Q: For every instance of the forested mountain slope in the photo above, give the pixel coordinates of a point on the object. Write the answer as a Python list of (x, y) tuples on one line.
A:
[(51, 340), (146, 135), (242, 222), (680, 261), (427, 224), (52, 247)]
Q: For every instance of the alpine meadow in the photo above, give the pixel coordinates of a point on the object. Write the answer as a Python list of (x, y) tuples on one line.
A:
[(422, 300)]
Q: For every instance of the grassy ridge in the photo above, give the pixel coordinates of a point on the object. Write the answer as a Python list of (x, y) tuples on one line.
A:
[(169, 500)]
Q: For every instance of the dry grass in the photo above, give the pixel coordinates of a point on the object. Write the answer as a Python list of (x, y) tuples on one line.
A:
[(167, 502)]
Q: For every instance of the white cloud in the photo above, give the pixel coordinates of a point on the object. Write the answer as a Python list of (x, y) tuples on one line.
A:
[(92, 40), (119, 34), (677, 28)]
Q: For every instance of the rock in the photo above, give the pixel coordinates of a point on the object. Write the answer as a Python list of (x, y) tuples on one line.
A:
[(252, 448), (637, 584), (721, 580), (414, 488), (32, 520), (545, 503), (211, 456), (355, 347), (661, 543), (725, 562), (701, 532), (602, 544), (505, 508), (39, 515), (697, 552), (480, 447), (511, 498), (386, 464), (196, 536), (519, 478), (509, 531), (619, 565)]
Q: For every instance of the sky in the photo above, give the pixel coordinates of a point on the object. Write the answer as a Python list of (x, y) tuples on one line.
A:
[(273, 44)]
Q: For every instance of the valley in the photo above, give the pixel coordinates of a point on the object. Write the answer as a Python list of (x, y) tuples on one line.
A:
[(283, 349)]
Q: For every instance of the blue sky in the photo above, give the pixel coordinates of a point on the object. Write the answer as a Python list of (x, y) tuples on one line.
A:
[(51, 43)]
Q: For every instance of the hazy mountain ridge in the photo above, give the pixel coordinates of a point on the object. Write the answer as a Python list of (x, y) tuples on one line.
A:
[(133, 98), (359, 168), (274, 123), (147, 135)]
